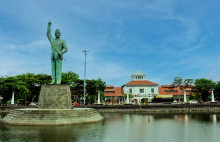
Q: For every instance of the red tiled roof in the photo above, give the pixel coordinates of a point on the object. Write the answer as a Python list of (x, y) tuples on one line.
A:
[(171, 86), (166, 86), (115, 91), (140, 82), (110, 86), (163, 88)]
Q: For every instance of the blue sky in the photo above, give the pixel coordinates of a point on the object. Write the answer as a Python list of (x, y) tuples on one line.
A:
[(162, 38)]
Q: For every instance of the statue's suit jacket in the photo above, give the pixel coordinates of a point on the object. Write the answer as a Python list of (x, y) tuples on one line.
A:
[(57, 46)]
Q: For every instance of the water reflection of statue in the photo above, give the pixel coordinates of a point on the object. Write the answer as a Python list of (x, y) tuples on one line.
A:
[(58, 47)]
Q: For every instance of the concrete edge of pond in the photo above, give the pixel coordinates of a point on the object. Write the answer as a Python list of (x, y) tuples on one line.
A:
[(153, 108)]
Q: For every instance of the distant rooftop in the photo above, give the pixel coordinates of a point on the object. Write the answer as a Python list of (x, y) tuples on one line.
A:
[(138, 73)]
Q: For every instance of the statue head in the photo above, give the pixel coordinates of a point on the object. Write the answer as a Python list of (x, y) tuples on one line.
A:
[(57, 33)]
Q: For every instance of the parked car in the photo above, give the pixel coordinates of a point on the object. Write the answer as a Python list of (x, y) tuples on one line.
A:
[(193, 102), (76, 104), (32, 104)]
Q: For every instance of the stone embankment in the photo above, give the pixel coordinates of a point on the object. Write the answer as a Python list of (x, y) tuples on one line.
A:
[(161, 108), (150, 108)]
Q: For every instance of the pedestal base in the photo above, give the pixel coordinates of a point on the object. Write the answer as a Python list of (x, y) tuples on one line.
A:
[(55, 96), (45, 117)]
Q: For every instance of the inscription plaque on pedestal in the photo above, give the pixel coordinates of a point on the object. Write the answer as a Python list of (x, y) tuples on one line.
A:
[(55, 96)]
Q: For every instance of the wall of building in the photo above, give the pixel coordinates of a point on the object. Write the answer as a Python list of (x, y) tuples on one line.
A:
[(136, 91)]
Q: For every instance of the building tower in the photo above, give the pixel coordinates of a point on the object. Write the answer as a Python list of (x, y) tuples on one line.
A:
[(138, 75)]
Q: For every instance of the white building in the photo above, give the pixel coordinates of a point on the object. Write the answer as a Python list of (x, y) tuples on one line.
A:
[(140, 88)]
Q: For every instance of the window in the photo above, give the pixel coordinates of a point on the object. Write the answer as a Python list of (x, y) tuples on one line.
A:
[(171, 90), (152, 90), (141, 90), (109, 91), (130, 90)]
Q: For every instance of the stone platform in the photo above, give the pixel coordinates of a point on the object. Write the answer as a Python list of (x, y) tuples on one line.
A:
[(54, 108), (55, 96), (45, 117)]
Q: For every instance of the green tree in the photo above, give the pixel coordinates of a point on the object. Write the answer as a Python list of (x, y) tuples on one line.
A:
[(144, 100), (203, 87), (217, 90), (181, 83), (43, 79), (33, 83), (76, 85), (69, 78), (78, 90), (92, 88), (13, 84), (25, 86)]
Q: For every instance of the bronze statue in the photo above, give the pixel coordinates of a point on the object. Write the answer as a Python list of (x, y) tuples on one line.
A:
[(58, 47)]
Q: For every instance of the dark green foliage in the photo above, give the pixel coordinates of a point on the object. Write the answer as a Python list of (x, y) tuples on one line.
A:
[(217, 91), (27, 86), (203, 86), (12, 84), (179, 82), (191, 97), (144, 100), (92, 88), (69, 78), (77, 90)]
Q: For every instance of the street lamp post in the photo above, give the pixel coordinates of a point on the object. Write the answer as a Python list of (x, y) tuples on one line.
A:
[(85, 52)]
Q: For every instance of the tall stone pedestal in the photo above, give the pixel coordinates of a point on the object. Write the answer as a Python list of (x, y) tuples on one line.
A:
[(55, 96), (54, 109)]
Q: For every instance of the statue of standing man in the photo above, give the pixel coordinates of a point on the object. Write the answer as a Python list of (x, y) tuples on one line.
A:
[(58, 47)]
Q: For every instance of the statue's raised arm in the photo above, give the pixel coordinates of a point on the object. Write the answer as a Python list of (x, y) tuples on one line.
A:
[(49, 32)]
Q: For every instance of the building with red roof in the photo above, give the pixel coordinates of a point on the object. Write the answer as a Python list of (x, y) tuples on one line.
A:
[(114, 94), (176, 92), (140, 88)]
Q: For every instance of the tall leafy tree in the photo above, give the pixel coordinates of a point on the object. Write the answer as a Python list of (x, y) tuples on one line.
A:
[(217, 90), (77, 90), (14, 84), (203, 86), (92, 88), (76, 85), (180, 82), (70, 78)]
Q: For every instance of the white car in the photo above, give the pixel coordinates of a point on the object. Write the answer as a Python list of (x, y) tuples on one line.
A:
[(32, 104), (193, 102)]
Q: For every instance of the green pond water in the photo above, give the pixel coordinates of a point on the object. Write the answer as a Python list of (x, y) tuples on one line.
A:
[(119, 127)]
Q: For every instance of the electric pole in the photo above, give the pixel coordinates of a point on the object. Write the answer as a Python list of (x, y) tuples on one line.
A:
[(85, 52)]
